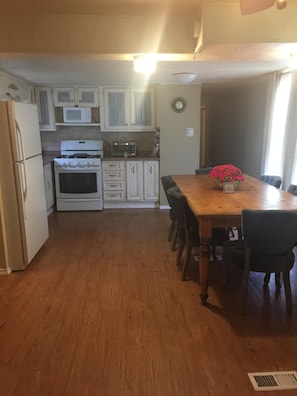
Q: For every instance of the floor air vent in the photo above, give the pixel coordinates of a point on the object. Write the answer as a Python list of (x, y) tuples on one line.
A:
[(280, 380)]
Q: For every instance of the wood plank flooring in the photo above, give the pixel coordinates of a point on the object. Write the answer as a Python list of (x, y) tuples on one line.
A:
[(101, 311)]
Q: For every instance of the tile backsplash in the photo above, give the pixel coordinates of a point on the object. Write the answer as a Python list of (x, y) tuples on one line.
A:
[(51, 141)]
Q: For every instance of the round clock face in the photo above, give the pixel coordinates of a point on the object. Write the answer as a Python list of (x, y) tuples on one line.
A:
[(178, 105)]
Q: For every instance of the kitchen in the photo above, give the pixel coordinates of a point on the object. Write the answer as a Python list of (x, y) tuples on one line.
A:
[(181, 145), (103, 308)]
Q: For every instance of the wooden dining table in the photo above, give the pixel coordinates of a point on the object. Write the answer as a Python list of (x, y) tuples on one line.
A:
[(214, 208)]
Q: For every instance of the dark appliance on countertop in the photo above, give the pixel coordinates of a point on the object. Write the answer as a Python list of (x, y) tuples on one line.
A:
[(78, 175), (123, 149)]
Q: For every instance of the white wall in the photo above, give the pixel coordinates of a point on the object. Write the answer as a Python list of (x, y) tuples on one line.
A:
[(178, 154)]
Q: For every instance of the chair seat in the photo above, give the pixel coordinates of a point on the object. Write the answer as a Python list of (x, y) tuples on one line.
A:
[(259, 262)]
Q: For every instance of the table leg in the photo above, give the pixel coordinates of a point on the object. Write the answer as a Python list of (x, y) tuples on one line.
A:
[(205, 230)]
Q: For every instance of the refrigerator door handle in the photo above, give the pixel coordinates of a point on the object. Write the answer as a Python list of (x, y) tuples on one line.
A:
[(24, 180), (20, 142)]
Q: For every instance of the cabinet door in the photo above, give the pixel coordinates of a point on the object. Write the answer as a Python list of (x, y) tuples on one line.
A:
[(45, 108), (134, 175), (87, 97), (142, 109), (116, 109), (151, 180), (49, 186), (63, 96)]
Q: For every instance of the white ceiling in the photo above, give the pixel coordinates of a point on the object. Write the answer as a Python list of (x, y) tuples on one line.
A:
[(77, 71), (216, 63)]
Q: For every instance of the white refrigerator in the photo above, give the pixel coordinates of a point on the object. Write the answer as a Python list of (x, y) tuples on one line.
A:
[(23, 214)]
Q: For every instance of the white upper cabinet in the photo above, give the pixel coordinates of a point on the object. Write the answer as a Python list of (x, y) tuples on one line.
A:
[(82, 97), (45, 106), (116, 109), (128, 109), (142, 109), (87, 97)]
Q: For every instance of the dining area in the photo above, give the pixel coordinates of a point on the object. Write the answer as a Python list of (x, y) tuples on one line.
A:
[(261, 224)]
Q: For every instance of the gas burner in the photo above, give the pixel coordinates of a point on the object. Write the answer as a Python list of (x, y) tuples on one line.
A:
[(80, 155), (84, 155)]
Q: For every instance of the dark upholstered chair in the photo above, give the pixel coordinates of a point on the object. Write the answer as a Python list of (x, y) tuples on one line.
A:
[(268, 239), (188, 230), (275, 181), (292, 189), (168, 182), (203, 171)]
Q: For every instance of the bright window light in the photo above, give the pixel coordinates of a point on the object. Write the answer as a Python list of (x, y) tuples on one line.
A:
[(274, 162)]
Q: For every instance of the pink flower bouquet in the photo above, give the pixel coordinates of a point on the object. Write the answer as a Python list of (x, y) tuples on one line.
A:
[(226, 173)]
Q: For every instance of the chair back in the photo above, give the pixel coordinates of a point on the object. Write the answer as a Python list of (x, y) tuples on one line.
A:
[(179, 204), (292, 189), (269, 232), (167, 182), (203, 171), (275, 181)]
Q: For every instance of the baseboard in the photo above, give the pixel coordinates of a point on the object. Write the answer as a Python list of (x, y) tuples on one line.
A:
[(131, 205), (5, 271)]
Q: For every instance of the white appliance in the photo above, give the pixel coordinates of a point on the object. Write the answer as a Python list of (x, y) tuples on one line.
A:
[(24, 224), (77, 115), (78, 175)]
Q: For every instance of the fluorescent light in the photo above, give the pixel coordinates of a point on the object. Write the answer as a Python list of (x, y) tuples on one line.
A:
[(145, 65)]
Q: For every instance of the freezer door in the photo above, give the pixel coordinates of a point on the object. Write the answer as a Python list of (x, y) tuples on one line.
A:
[(32, 205), (24, 128)]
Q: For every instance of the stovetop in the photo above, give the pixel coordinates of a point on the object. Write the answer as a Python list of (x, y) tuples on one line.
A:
[(80, 155)]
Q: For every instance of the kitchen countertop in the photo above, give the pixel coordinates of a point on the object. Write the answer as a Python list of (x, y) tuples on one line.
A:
[(137, 158), (48, 156), (141, 155)]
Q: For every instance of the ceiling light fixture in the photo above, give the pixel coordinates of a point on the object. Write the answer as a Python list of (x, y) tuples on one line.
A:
[(281, 4), (144, 64), (185, 78)]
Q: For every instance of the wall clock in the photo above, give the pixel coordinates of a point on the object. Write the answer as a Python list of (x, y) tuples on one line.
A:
[(178, 105)]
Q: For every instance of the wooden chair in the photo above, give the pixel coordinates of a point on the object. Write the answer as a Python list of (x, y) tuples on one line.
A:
[(188, 230), (268, 239)]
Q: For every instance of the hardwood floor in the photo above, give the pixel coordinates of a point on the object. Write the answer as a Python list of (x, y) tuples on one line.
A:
[(101, 311)]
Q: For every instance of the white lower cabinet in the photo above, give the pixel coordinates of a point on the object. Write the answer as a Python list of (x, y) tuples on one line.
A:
[(49, 187), (151, 180), (114, 181), (134, 182), (134, 177)]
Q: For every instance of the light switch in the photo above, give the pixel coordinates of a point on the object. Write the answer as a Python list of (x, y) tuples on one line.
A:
[(189, 132)]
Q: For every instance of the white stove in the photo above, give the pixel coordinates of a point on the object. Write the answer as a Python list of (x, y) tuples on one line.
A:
[(78, 175)]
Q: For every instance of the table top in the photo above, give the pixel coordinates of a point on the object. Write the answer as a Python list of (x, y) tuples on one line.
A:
[(207, 200)]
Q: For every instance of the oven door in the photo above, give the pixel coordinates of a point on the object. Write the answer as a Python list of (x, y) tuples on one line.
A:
[(78, 183)]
